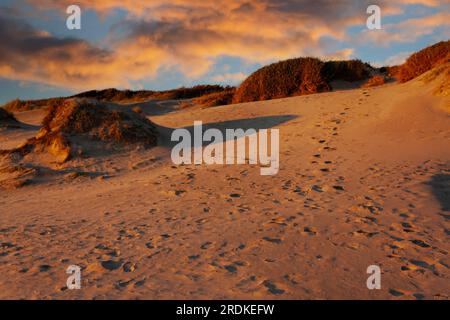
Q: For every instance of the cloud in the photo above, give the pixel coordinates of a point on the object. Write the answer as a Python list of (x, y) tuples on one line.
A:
[(31, 54), (394, 60), (408, 30), (339, 55), (231, 78), (35, 55), (189, 36)]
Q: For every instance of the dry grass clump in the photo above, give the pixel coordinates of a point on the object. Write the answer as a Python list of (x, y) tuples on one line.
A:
[(99, 121), (283, 79), (376, 80), (89, 120), (25, 105), (424, 60), (215, 99)]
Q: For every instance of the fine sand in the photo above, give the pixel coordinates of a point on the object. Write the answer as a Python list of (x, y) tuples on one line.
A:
[(364, 180)]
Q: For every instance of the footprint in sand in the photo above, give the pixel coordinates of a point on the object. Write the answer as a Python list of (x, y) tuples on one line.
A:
[(420, 243), (123, 283), (273, 240), (111, 264), (129, 267), (272, 288), (396, 293), (310, 231), (44, 268), (206, 245)]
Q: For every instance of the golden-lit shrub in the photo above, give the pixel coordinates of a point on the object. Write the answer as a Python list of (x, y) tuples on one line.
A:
[(99, 121), (283, 79), (20, 105), (89, 120), (424, 60), (215, 99)]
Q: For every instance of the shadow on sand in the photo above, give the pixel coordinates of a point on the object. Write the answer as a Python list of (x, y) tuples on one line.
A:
[(440, 185), (157, 107), (256, 123)]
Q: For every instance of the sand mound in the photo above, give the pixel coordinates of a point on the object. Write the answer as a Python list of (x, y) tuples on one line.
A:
[(440, 77), (88, 120), (7, 120)]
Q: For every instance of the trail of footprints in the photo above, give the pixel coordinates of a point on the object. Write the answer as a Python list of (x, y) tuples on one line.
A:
[(403, 239)]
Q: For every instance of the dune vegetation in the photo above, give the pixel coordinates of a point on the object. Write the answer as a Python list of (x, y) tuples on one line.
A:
[(115, 95), (297, 77), (293, 77), (423, 61), (92, 121)]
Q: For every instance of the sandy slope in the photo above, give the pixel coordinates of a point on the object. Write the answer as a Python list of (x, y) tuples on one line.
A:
[(364, 180)]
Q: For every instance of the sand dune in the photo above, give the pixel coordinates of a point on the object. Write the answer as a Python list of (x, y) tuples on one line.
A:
[(364, 180)]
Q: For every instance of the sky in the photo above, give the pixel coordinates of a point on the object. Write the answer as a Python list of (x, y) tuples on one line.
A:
[(159, 44)]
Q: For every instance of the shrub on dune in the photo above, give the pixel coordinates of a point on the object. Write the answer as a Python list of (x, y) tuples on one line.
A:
[(347, 70), (283, 79), (91, 121), (215, 99), (424, 60), (25, 105), (13, 105), (99, 121)]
